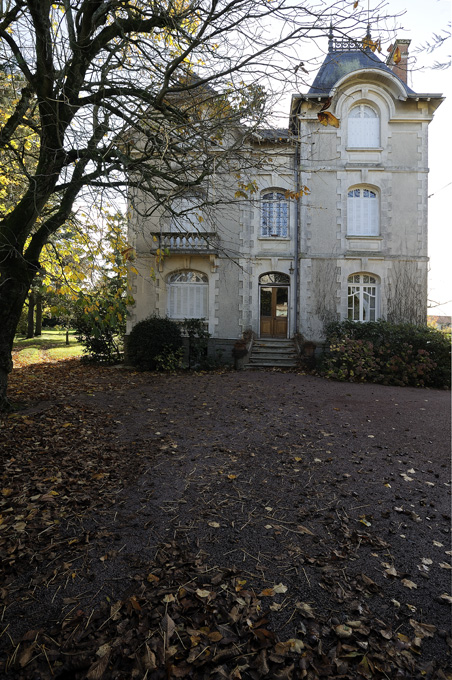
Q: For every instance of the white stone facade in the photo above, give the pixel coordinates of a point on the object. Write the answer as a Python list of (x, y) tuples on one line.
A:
[(365, 216)]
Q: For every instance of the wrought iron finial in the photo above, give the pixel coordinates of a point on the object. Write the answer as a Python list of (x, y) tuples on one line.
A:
[(330, 38)]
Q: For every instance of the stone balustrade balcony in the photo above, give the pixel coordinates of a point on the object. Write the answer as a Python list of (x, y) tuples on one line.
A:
[(186, 242)]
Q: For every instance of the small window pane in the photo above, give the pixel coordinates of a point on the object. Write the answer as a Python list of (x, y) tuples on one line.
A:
[(266, 301), (274, 215), (274, 277)]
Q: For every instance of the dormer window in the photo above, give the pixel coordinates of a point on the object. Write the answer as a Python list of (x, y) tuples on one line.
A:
[(363, 127)]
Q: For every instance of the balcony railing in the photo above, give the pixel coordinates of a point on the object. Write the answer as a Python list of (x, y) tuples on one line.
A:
[(199, 242)]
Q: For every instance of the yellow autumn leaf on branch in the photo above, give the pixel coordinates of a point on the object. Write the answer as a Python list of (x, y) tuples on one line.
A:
[(327, 118)]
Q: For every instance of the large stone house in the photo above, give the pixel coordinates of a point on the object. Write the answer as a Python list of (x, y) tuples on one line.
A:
[(336, 229)]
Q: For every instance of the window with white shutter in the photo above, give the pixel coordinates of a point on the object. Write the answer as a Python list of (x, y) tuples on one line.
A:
[(363, 214), (363, 127), (187, 295)]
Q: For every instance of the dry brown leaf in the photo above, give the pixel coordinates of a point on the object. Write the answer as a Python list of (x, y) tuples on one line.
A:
[(391, 571), (26, 655), (216, 636), (423, 629), (280, 588), (306, 609), (103, 649), (149, 661), (98, 668), (168, 627), (304, 530), (114, 610), (408, 584), (267, 592), (180, 671), (169, 598), (327, 118), (296, 645)]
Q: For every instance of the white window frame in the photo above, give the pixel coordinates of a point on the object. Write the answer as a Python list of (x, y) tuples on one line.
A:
[(363, 297), (363, 127), (363, 212), (274, 215), (188, 295)]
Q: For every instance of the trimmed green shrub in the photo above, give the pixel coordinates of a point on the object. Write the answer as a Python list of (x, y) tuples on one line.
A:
[(152, 339), (391, 354)]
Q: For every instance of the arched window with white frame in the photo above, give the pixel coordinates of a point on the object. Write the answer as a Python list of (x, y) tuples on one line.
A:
[(363, 212), (363, 127), (363, 297), (274, 214), (187, 295)]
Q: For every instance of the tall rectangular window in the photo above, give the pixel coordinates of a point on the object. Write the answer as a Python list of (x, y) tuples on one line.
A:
[(363, 218), (274, 215)]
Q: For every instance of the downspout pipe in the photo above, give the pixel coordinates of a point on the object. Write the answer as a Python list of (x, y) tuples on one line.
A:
[(296, 229)]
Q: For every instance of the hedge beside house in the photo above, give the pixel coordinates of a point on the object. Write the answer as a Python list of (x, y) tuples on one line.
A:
[(391, 354)]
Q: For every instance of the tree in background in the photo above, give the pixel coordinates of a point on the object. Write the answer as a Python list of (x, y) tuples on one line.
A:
[(106, 94)]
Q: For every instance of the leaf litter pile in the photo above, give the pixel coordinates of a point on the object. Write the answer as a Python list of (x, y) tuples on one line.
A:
[(228, 525)]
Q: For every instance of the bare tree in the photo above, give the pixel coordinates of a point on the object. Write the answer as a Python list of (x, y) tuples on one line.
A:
[(325, 290), (407, 292), (436, 42), (102, 94)]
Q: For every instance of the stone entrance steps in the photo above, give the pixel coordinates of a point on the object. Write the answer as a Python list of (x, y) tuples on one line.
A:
[(273, 353)]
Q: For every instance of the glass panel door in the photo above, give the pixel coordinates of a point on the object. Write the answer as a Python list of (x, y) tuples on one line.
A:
[(274, 311)]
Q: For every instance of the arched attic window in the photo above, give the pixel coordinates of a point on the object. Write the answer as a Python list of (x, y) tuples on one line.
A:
[(363, 212), (274, 214), (187, 295), (363, 127)]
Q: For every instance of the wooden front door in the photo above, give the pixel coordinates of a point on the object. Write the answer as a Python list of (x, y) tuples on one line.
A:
[(274, 310)]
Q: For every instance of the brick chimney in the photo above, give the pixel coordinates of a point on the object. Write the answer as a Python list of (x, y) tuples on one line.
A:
[(401, 68)]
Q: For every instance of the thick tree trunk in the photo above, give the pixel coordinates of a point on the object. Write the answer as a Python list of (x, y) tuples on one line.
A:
[(31, 315), (67, 336), (15, 283), (38, 321)]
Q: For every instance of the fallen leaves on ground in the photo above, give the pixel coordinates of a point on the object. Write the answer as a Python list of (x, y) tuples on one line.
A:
[(246, 590), (190, 622)]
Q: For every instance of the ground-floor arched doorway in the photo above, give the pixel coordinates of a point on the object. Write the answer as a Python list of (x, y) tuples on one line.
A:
[(274, 304)]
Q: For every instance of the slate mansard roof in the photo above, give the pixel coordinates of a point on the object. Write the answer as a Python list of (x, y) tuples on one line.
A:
[(339, 63), (347, 57)]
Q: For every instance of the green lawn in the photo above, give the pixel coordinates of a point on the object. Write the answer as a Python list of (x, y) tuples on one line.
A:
[(50, 345)]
